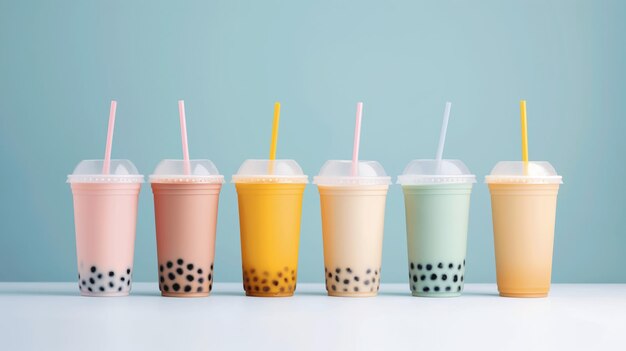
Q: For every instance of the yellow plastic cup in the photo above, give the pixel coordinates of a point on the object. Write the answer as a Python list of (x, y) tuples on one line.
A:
[(269, 194)]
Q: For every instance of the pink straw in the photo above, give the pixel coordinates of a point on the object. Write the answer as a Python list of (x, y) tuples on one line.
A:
[(357, 139), (106, 167), (183, 133)]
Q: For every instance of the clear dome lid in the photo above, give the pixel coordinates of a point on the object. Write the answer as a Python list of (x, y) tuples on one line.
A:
[(339, 172), (534, 172), (173, 171), (270, 171), (90, 171), (425, 172)]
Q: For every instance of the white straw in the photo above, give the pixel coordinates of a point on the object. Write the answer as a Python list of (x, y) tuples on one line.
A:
[(442, 135)]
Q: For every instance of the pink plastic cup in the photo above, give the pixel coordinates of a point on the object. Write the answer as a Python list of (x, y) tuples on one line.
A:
[(105, 217)]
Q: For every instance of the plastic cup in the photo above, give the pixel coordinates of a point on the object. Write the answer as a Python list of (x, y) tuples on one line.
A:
[(523, 203), (105, 217), (353, 218), (185, 213), (437, 201), (270, 193)]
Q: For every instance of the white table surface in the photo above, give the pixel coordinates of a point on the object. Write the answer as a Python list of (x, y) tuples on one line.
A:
[(52, 316)]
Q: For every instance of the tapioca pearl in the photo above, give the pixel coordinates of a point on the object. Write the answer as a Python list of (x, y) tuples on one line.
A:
[(412, 266), (429, 267), (463, 262), (84, 282), (179, 271), (128, 282), (440, 265), (425, 289), (415, 278), (90, 289), (101, 288), (162, 279), (256, 288), (368, 271), (111, 285), (345, 289), (337, 278), (161, 268), (169, 264), (119, 289), (367, 282), (444, 277), (266, 288), (337, 270), (455, 278), (180, 261), (99, 275), (334, 287), (451, 265), (252, 271), (200, 280), (286, 280), (266, 273), (255, 279), (356, 278), (282, 289), (279, 274), (356, 289), (436, 288), (373, 280), (346, 281), (200, 271), (448, 288), (93, 269), (170, 275), (176, 286), (433, 277), (423, 277), (330, 275), (210, 286), (111, 273), (189, 277), (199, 289), (275, 282), (127, 270), (461, 278), (459, 267), (190, 266), (211, 266), (187, 288), (372, 289), (122, 278), (293, 278), (413, 287), (349, 270), (419, 266), (376, 272), (92, 281), (165, 287), (458, 288)]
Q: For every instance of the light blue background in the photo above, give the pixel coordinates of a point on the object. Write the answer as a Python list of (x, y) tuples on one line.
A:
[(61, 62)]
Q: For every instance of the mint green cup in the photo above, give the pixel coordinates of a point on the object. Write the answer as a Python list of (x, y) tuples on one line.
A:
[(437, 202)]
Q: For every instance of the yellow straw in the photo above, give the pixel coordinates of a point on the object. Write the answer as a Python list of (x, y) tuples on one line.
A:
[(275, 131), (522, 107)]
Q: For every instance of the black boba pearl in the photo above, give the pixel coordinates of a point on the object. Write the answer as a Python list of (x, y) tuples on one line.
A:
[(356, 289), (356, 278), (162, 279), (84, 282), (426, 289), (176, 287), (436, 288), (119, 289), (368, 271), (93, 269), (92, 281), (180, 261), (128, 282), (459, 267), (127, 270), (440, 265), (415, 279), (433, 277), (429, 266), (330, 275), (345, 289), (464, 262), (101, 288), (349, 270), (334, 288), (450, 265), (99, 275), (419, 266), (111, 273), (111, 284), (210, 277), (211, 266), (461, 278), (161, 268), (275, 282), (444, 277), (376, 272), (338, 270), (169, 264), (200, 271), (447, 288), (200, 280), (266, 288), (190, 266), (255, 279), (373, 280), (199, 289), (187, 288), (346, 281), (367, 282), (166, 288), (456, 278), (412, 265), (413, 287), (171, 276), (122, 278), (179, 271), (337, 278), (458, 288), (210, 286), (90, 289), (423, 277), (189, 277)]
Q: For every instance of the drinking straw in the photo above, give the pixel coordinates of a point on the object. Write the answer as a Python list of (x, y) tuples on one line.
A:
[(183, 134), (522, 106), (357, 139), (275, 131), (442, 135), (106, 166)]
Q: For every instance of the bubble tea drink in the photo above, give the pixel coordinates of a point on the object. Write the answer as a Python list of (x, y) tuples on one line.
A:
[(185, 209), (523, 203), (437, 201), (105, 217), (353, 217), (269, 194)]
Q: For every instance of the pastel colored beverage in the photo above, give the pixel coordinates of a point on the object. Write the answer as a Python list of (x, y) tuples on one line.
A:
[(523, 203), (353, 217), (437, 201), (269, 194), (185, 209), (105, 217)]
